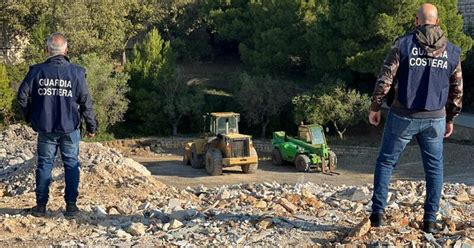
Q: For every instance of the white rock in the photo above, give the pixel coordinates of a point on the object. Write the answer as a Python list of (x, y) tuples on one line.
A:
[(122, 234), (25, 156), (166, 227), (175, 224), (136, 229), (144, 206), (174, 204), (471, 190), (100, 212), (225, 194)]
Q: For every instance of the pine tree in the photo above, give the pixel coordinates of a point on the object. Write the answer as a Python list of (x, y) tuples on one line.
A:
[(356, 35), (152, 65)]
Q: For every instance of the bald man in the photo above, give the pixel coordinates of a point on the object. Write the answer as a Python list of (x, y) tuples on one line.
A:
[(425, 70), (54, 97)]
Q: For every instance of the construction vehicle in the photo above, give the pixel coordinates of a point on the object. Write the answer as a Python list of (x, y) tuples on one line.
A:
[(309, 150), (221, 146)]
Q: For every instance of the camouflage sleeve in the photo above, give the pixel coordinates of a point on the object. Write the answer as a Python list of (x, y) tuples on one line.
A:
[(454, 104), (386, 76)]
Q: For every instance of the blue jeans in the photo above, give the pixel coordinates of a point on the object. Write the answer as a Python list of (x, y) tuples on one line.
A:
[(48, 144), (397, 134)]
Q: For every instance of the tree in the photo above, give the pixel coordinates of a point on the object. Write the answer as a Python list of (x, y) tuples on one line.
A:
[(151, 67), (231, 20), (7, 96), (262, 98), (92, 27), (277, 43), (35, 51), (356, 35), (108, 89), (17, 19), (269, 34), (179, 100), (141, 15), (340, 107), (468, 75), (185, 26)]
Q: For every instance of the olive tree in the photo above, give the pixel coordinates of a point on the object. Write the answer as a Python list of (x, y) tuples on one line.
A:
[(341, 107), (261, 98)]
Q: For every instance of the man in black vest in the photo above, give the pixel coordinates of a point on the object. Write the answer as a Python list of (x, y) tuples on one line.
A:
[(426, 68), (54, 97)]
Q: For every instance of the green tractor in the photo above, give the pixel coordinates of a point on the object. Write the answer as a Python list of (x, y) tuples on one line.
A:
[(309, 150)]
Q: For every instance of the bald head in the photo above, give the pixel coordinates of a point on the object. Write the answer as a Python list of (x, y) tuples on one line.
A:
[(56, 44), (427, 14)]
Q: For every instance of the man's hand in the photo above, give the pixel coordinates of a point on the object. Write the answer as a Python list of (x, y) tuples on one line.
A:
[(374, 117), (90, 135), (449, 129)]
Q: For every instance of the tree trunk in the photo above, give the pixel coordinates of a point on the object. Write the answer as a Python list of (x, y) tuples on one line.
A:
[(341, 133), (175, 129), (124, 57), (175, 125), (124, 52), (264, 129)]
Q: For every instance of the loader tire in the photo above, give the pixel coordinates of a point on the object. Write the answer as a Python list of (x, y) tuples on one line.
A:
[(332, 160), (302, 163), (250, 168), (276, 157), (186, 160), (196, 160), (214, 162)]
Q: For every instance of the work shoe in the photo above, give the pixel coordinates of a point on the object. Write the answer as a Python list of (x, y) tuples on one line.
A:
[(429, 226), (71, 210), (37, 211), (376, 220)]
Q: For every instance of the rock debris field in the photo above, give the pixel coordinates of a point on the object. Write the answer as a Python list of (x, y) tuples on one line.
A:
[(124, 205)]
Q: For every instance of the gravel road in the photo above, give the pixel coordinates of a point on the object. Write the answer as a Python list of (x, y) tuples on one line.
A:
[(354, 170)]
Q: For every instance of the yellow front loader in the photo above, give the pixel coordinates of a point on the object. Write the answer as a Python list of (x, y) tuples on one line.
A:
[(221, 146)]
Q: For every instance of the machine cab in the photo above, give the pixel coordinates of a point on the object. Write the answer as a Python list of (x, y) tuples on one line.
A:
[(223, 123), (312, 134)]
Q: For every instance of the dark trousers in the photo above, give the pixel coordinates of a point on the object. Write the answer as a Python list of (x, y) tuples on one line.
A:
[(398, 132), (48, 144)]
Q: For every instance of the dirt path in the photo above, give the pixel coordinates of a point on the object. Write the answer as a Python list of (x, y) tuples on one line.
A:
[(459, 163)]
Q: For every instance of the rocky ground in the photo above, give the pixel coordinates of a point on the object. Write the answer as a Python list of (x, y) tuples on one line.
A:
[(123, 205)]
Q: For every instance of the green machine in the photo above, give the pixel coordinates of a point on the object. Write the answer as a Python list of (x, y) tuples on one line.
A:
[(309, 150)]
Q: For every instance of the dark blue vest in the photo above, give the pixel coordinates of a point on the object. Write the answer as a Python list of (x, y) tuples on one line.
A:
[(423, 81), (57, 88)]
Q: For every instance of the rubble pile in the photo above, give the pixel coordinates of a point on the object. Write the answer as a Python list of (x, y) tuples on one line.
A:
[(123, 205), (18, 163), (141, 148)]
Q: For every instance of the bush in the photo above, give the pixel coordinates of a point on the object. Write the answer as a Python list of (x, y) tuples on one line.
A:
[(7, 96), (108, 89)]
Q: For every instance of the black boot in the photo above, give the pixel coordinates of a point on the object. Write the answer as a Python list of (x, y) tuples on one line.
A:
[(71, 210), (376, 220), (429, 226), (37, 211)]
